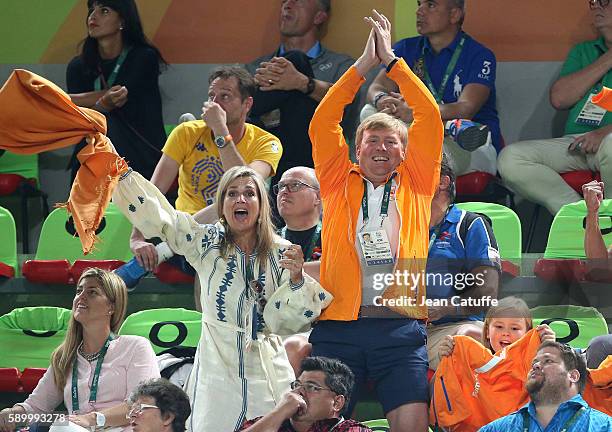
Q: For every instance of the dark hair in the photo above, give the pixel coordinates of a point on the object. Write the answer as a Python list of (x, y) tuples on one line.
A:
[(571, 360), (338, 376), (324, 5), (246, 83), (169, 398), (446, 169), (132, 33)]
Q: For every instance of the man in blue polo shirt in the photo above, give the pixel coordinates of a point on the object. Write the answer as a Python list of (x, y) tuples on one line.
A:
[(459, 72), (557, 377), (463, 267)]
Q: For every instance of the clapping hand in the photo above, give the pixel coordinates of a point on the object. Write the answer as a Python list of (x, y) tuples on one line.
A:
[(593, 195)]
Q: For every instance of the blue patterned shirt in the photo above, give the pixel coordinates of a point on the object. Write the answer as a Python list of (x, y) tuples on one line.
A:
[(591, 420)]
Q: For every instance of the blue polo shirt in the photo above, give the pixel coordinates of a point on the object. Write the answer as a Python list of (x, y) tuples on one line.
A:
[(476, 64), (449, 259), (590, 420)]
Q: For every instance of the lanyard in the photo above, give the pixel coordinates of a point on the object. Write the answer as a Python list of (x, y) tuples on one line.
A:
[(438, 228), (568, 424), (313, 240), (439, 94), (384, 207), (93, 395), (113, 75)]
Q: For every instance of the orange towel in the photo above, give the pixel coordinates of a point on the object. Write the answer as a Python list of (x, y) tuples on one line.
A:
[(604, 99), (37, 116)]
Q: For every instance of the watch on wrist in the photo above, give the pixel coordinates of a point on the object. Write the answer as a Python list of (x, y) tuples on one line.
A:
[(310, 86), (100, 419), (221, 141)]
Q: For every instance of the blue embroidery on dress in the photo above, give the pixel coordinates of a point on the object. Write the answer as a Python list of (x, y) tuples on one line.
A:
[(208, 238), (321, 296), (141, 199), (132, 208), (308, 314), (188, 237), (277, 304), (226, 282)]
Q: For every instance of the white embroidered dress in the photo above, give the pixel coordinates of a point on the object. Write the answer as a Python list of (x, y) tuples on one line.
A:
[(239, 372)]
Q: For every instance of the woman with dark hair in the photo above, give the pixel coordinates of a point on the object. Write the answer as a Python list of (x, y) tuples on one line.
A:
[(117, 74), (253, 289), (94, 370)]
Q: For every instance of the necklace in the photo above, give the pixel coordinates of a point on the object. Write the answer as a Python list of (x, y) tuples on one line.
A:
[(88, 357)]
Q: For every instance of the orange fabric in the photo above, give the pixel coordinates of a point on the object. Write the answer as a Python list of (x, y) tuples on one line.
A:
[(37, 116), (501, 390), (598, 390), (604, 99), (342, 190)]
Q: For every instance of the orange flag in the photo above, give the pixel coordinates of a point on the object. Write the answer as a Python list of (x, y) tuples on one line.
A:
[(37, 116)]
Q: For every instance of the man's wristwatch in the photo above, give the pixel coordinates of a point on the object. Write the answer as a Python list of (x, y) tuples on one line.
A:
[(310, 86), (221, 141), (100, 419)]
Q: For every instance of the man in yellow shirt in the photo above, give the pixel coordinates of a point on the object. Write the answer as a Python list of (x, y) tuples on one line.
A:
[(200, 151)]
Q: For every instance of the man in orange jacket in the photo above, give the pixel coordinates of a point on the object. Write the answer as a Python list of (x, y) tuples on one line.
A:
[(376, 323)]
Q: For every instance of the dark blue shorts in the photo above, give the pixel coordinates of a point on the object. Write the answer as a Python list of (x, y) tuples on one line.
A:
[(392, 352)]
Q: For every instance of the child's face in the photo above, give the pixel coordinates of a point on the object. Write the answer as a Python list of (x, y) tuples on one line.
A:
[(504, 331)]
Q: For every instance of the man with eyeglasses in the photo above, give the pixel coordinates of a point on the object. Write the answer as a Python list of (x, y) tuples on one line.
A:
[(555, 382), (532, 168), (315, 403), (299, 204), (158, 406)]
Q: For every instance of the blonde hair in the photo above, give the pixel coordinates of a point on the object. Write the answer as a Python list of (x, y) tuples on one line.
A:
[(115, 290), (266, 234), (508, 307), (380, 121)]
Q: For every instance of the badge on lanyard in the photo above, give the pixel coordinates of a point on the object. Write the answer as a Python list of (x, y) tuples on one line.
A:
[(375, 247), (591, 114)]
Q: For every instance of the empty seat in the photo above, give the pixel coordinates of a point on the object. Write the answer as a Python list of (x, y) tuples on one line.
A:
[(9, 380), (8, 244), (30, 377), (573, 325), (29, 335), (59, 247), (19, 176), (165, 328)]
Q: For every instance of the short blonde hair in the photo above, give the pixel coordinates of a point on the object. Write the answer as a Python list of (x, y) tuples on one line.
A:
[(380, 121), (508, 307)]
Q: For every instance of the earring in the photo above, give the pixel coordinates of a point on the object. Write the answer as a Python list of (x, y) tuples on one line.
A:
[(110, 312), (120, 27)]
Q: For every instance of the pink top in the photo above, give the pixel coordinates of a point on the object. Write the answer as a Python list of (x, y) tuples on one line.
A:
[(128, 361)]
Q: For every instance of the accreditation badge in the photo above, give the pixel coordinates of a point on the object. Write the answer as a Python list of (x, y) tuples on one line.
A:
[(375, 247), (591, 114)]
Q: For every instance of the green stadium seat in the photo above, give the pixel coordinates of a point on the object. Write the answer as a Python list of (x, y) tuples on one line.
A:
[(574, 325), (564, 252), (59, 257), (8, 244), (29, 335), (507, 229), (381, 425), (169, 128), (165, 328), (19, 176)]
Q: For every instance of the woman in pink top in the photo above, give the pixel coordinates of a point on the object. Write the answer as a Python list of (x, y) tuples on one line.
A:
[(93, 371)]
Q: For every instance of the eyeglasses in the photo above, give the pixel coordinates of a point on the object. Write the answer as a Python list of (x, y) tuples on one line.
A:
[(137, 409), (308, 387), (294, 186), (601, 3)]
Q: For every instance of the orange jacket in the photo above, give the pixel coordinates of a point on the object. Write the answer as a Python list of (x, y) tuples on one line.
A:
[(604, 99), (473, 387), (342, 190), (36, 116)]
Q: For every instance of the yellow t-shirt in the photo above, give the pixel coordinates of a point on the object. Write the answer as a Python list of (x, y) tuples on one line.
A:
[(191, 145)]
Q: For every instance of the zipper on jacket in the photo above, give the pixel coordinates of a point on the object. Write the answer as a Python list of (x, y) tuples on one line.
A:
[(448, 404)]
